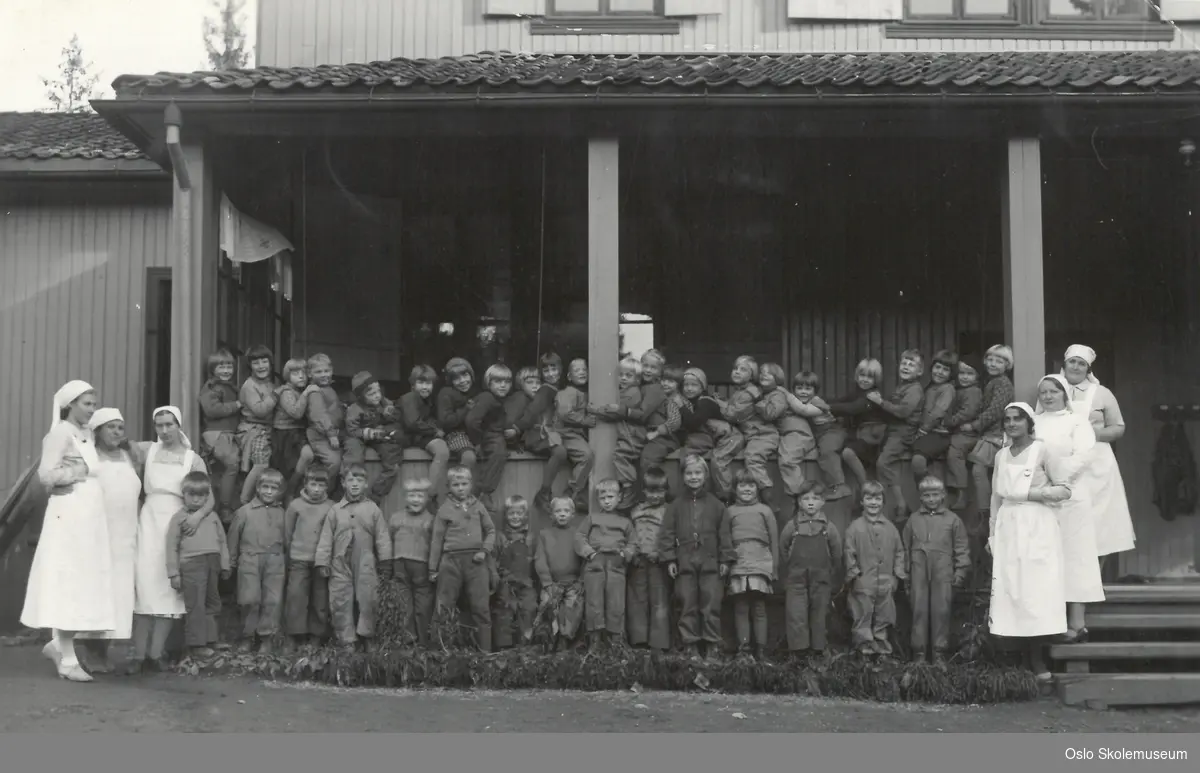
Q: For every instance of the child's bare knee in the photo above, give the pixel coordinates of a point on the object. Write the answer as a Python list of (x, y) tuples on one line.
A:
[(438, 450)]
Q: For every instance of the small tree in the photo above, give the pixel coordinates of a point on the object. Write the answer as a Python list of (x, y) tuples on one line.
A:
[(224, 38), (76, 84)]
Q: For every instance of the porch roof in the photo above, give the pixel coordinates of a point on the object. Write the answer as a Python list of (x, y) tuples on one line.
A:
[(66, 143), (998, 74)]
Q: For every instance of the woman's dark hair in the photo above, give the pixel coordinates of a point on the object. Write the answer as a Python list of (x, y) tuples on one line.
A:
[(64, 412), (1028, 419)]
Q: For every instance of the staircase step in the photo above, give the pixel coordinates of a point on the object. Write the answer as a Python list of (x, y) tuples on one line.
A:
[(1104, 690), (1155, 593), (1126, 650), (1189, 620)]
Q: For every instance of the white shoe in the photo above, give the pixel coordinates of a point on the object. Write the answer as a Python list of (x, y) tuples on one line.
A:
[(51, 651), (74, 673)]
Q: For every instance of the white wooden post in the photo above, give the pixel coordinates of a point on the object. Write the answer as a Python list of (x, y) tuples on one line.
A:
[(604, 316), (1024, 296)]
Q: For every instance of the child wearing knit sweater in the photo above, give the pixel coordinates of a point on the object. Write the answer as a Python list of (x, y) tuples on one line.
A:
[(755, 536), (605, 542), (558, 565), (933, 440)]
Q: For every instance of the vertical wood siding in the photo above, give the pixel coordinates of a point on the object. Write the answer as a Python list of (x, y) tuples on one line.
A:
[(72, 292), (312, 32)]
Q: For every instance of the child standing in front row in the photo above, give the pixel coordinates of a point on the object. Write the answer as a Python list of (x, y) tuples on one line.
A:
[(648, 598), (355, 554), (412, 530), (938, 557), (195, 564), (874, 555), (755, 536), (695, 544), (418, 418), (811, 568), (606, 544), (258, 400), (258, 552), (463, 536), (572, 422), (219, 411), (739, 412), (557, 565), (904, 411), (306, 607), (515, 603)]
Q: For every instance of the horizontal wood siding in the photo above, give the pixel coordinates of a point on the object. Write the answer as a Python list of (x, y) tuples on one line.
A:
[(72, 292), (313, 32)]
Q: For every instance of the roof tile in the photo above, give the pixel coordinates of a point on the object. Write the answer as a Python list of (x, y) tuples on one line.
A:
[(62, 136), (924, 72)]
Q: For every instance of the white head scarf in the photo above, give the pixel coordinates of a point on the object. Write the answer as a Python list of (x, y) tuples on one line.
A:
[(1024, 408), (68, 394), (103, 416), (1085, 353), (183, 438), (1066, 388)]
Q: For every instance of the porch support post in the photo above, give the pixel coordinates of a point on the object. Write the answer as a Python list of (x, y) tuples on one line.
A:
[(193, 282), (1024, 298), (604, 315)]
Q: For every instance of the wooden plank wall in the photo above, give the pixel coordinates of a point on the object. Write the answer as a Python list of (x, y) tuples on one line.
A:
[(313, 32)]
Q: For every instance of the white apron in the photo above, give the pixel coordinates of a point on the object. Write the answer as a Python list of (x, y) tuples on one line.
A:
[(164, 498), (1076, 516), (70, 582), (1027, 572), (122, 487), (1102, 476)]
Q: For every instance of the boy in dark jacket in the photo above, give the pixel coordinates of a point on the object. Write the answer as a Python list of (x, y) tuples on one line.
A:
[(487, 422), (373, 421), (454, 402), (306, 606), (968, 398), (648, 596), (515, 603), (536, 425), (904, 411), (932, 439), (258, 553), (938, 559), (557, 565), (572, 423), (863, 417), (698, 553), (195, 563), (605, 542), (701, 413), (418, 419), (463, 536), (220, 411)]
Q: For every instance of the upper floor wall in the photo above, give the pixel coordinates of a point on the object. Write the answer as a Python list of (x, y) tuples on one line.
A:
[(313, 32)]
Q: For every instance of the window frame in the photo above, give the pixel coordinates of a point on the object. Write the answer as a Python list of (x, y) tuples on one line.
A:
[(1031, 19), (605, 21)]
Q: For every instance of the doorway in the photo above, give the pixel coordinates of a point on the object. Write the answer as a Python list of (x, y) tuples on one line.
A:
[(157, 381)]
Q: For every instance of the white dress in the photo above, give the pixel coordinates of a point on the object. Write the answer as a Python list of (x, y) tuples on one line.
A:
[(164, 498), (1070, 440), (70, 582), (1027, 571), (122, 487), (1102, 476)]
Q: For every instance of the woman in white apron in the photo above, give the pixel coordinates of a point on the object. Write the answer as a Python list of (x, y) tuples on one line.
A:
[(70, 583), (1027, 571), (122, 489), (156, 604), (1070, 439), (1102, 476)]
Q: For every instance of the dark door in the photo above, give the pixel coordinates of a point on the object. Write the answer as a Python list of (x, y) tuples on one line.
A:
[(157, 384)]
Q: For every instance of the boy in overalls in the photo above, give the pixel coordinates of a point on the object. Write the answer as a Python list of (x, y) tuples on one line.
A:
[(811, 564)]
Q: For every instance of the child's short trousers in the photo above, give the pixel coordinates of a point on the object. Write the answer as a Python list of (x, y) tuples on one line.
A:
[(458, 442)]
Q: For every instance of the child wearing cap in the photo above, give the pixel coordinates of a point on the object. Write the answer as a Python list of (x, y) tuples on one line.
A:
[(373, 421)]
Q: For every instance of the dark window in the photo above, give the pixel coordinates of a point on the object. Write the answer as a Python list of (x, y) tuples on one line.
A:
[(604, 17), (1052, 19)]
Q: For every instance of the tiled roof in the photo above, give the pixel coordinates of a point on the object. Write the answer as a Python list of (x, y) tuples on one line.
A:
[(908, 72), (42, 136)]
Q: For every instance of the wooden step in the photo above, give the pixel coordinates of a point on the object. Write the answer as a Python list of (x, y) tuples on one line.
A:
[(1158, 622), (1103, 690), (1126, 650), (1123, 608), (1154, 593)]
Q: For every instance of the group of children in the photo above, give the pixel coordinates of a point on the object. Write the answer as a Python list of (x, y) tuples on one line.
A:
[(310, 544)]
